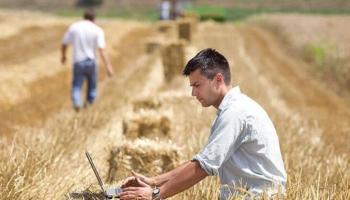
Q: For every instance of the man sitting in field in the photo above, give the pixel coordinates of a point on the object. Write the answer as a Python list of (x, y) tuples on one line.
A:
[(243, 146)]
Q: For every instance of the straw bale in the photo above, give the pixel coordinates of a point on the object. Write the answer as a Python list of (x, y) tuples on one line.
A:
[(168, 28), (146, 124), (149, 157), (186, 28), (152, 45), (155, 43), (173, 58), (165, 26), (146, 104)]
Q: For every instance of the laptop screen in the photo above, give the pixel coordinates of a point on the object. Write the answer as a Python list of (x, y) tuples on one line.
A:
[(109, 193), (95, 170)]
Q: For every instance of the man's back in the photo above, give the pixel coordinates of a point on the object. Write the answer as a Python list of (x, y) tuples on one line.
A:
[(85, 36)]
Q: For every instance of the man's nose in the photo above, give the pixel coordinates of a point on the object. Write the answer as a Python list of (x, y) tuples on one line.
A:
[(194, 92)]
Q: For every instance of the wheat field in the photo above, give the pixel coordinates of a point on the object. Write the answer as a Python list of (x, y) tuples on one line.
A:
[(145, 122)]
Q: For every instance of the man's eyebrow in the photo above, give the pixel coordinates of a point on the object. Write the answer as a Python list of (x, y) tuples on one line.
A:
[(194, 83)]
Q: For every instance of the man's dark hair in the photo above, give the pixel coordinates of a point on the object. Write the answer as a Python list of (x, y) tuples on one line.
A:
[(210, 63), (89, 14)]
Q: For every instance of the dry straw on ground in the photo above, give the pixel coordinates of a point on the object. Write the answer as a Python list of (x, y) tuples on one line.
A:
[(45, 161), (90, 192)]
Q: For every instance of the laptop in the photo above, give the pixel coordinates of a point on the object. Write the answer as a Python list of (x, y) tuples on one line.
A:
[(110, 193)]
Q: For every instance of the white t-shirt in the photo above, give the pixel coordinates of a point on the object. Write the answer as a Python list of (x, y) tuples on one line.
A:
[(243, 147), (85, 36)]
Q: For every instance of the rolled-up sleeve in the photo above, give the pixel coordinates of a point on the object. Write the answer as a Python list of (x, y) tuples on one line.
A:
[(210, 169), (222, 141)]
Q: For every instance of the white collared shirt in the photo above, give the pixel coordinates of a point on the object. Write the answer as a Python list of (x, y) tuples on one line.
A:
[(243, 148), (85, 36)]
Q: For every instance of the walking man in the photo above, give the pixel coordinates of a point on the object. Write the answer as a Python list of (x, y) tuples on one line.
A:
[(86, 37), (242, 148)]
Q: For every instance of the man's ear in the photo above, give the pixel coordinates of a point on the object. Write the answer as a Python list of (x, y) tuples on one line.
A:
[(219, 78)]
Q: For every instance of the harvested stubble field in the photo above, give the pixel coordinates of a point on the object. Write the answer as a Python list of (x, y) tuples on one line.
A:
[(43, 140)]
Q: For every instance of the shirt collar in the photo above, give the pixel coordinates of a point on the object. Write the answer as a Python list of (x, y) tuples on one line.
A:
[(230, 95)]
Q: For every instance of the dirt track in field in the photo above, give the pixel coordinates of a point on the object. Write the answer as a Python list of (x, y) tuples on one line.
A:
[(34, 86)]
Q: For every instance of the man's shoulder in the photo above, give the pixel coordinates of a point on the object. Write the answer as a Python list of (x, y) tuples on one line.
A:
[(75, 25), (86, 25), (94, 26), (237, 104)]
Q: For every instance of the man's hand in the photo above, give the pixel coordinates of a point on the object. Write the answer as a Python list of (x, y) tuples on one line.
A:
[(134, 180), (63, 59), (135, 188)]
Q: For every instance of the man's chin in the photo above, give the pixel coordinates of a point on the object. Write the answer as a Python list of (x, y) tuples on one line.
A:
[(205, 105)]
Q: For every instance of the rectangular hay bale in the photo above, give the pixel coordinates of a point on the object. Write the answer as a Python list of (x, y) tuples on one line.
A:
[(146, 124), (145, 156), (173, 58), (186, 29)]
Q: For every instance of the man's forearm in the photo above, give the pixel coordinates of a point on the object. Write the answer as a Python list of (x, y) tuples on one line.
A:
[(63, 53), (105, 57), (106, 61), (161, 179), (180, 179)]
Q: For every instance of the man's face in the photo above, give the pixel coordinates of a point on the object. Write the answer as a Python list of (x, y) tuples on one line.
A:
[(204, 89)]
